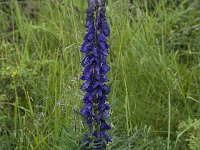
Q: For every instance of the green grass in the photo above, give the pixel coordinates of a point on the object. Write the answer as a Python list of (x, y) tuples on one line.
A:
[(154, 76)]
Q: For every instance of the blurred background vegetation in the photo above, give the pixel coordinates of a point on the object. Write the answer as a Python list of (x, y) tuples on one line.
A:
[(154, 76)]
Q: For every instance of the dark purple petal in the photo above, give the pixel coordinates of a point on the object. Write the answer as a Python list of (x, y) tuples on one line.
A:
[(88, 97), (102, 107), (105, 78), (86, 60), (103, 45), (89, 36), (100, 93), (85, 85), (97, 69), (105, 68), (84, 78), (95, 52), (102, 37), (104, 126), (105, 28), (97, 118), (88, 105), (102, 11), (102, 99), (103, 60), (105, 89), (94, 86), (86, 47), (94, 93), (89, 21), (91, 29), (105, 114), (85, 112), (90, 11), (105, 52), (98, 77), (107, 137), (88, 71)]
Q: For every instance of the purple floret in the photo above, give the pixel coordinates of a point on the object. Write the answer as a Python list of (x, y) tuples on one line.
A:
[(95, 48)]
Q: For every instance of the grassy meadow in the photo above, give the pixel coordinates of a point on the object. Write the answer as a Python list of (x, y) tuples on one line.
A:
[(154, 77)]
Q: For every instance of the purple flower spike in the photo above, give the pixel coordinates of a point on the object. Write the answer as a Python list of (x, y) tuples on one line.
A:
[(95, 47)]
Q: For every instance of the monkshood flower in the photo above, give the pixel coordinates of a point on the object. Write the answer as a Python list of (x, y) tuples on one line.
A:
[(95, 47)]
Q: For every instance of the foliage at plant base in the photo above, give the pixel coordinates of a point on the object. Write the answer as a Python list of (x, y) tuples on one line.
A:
[(189, 134)]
